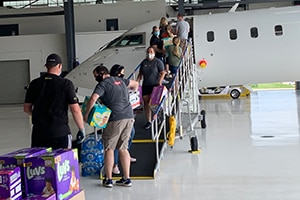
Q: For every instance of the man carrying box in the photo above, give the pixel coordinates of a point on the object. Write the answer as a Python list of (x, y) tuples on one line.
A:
[(113, 92)]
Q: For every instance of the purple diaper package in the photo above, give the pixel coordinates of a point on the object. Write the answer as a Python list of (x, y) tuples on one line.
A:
[(16, 158), (41, 197), (10, 184), (54, 172)]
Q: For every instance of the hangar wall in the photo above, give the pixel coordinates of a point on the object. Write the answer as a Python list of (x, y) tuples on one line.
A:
[(87, 18), (22, 58), (35, 48)]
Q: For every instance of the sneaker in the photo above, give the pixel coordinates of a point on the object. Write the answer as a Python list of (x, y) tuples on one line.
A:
[(124, 182), (148, 125), (132, 159), (107, 183), (116, 170)]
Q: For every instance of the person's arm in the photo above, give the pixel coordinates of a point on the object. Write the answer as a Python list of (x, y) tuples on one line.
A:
[(161, 76), (90, 105), (161, 70), (28, 108), (139, 77), (77, 115), (133, 85), (157, 49)]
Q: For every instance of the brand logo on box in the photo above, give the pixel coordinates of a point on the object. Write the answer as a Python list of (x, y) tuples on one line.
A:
[(63, 169), (2, 166), (37, 171)]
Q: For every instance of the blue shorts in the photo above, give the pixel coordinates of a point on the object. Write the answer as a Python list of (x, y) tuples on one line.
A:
[(173, 69)]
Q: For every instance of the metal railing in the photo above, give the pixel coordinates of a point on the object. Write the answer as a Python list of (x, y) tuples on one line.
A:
[(183, 91)]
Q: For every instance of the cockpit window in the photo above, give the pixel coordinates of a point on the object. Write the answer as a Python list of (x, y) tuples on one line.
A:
[(127, 40)]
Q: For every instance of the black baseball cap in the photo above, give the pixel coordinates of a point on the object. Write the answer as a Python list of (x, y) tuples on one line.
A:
[(52, 60)]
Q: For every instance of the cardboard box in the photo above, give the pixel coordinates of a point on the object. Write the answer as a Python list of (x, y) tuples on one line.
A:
[(167, 42), (134, 98), (16, 158), (79, 196), (99, 115), (157, 95), (54, 172), (10, 184)]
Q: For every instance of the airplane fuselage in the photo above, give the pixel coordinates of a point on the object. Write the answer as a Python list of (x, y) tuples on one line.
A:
[(240, 48)]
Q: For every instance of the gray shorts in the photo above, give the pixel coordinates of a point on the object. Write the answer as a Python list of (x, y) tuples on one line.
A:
[(117, 133)]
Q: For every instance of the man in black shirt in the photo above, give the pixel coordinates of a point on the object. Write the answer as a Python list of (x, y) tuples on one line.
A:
[(47, 101), (157, 44)]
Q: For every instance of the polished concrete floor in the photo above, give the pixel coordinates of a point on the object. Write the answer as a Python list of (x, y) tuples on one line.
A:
[(250, 150)]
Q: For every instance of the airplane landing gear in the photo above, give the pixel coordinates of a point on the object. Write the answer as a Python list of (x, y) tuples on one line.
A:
[(203, 122)]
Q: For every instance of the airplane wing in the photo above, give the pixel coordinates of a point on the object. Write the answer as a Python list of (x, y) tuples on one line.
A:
[(234, 7)]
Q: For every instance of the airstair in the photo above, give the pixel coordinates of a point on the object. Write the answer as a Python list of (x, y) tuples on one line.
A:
[(175, 117)]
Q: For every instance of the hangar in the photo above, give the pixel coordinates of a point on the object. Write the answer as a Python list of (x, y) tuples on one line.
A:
[(248, 151)]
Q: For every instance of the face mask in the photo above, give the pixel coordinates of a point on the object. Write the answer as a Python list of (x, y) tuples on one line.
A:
[(156, 33), (121, 75), (150, 56), (99, 78)]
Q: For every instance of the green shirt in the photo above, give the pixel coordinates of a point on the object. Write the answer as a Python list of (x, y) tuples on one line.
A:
[(173, 59)]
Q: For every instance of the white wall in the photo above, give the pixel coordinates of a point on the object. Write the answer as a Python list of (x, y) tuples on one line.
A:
[(36, 48), (271, 4), (87, 18), (129, 14)]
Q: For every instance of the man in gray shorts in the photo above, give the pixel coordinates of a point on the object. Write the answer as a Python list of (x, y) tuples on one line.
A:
[(113, 92)]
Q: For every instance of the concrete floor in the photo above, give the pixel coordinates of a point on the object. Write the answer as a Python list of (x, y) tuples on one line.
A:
[(249, 150)]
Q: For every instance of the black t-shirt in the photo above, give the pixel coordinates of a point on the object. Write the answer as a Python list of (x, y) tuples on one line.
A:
[(159, 43), (150, 70), (50, 95)]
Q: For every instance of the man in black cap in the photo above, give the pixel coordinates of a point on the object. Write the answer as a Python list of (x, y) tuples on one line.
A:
[(47, 100)]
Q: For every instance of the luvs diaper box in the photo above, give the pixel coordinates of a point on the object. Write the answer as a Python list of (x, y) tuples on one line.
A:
[(41, 197), (157, 95), (56, 172), (10, 184), (16, 158)]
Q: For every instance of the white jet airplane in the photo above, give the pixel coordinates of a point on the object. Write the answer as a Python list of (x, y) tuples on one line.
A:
[(233, 48)]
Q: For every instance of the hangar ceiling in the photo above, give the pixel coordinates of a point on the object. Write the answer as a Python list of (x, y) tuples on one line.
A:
[(191, 4)]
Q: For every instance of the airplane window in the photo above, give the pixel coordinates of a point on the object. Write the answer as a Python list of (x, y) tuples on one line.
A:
[(210, 36), (278, 30), (233, 34), (127, 40), (123, 42), (254, 32)]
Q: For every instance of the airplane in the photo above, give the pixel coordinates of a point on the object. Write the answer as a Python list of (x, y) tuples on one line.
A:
[(233, 48)]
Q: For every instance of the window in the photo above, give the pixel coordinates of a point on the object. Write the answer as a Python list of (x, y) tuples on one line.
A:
[(254, 32), (9, 29), (210, 36), (233, 34), (278, 30), (127, 40)]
